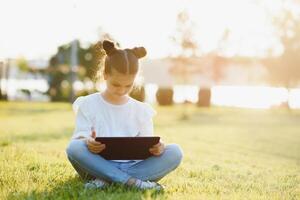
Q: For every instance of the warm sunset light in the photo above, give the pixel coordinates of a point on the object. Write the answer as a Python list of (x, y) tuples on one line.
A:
[(246, 20), (249, 97), (232, 28), (149, 99)]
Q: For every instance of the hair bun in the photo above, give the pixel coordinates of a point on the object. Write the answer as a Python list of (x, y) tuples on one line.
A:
[(109, 47), (139, 52)]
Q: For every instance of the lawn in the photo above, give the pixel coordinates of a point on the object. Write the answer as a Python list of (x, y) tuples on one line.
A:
[(228, 154)]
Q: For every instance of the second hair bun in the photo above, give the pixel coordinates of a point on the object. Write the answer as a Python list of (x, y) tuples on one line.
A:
[(109, 47), (139, 52)]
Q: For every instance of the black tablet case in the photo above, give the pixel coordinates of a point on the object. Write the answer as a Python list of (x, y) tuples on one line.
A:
[(127, 148)]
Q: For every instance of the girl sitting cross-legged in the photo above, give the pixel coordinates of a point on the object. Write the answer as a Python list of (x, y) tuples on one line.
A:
[(112, 113)]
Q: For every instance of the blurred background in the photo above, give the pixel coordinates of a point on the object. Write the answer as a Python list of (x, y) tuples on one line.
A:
[(237, 53), (224, 77)]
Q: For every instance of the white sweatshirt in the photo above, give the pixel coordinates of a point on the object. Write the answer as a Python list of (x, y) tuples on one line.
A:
[(130, 119)]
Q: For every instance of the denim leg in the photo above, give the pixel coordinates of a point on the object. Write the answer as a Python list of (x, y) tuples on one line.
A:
[(94, 164), (156, 167), (82, 173)]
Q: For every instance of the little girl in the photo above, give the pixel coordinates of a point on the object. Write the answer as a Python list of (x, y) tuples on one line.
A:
[(113, 113)]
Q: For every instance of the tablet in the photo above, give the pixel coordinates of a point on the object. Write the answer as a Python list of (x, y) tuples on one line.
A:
[(127, 148)]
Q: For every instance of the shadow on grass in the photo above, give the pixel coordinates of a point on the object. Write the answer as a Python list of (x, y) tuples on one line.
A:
[(74, 189)]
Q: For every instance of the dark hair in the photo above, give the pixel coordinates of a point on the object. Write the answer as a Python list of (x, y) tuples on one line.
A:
[(124, 61)]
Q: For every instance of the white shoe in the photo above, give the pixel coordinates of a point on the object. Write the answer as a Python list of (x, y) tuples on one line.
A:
[(144, 185), (96, 184)]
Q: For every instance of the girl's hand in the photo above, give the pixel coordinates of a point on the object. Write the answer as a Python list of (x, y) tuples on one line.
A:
[(93, 145), (157, 149)]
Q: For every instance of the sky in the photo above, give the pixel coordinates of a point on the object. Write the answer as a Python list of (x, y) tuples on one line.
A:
[(34, 29)]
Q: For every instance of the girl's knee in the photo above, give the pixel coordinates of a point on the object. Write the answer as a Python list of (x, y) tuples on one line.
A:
[(75, 148), (174, 152)]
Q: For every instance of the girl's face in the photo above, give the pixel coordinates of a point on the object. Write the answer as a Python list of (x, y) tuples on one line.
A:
[(119, 84)]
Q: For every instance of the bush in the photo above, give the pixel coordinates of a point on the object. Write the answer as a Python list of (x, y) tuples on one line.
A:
[(138, 93), (59, 86), (204, 97), (164, 96)]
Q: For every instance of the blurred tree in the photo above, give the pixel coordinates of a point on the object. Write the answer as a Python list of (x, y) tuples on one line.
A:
[(216, 61), (187, 48), (184, 36), (90, 61), (284, 69), (219, 61), (23, 64), (58, 72)]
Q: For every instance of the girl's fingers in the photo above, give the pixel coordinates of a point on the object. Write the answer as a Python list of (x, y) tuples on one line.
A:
[(92, 141), (156, 145), (155, 151), (156, 148), (151, 151), (97, 145), (96, 150), (94, 146)]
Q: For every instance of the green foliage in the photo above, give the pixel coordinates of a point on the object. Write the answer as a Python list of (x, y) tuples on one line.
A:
[(23, 64), (228, 154), (89, 60), (59, 86)]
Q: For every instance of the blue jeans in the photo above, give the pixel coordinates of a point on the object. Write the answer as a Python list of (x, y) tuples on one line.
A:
[(89, 165)]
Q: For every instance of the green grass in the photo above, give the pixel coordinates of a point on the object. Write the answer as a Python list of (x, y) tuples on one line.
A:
[(228, 154)]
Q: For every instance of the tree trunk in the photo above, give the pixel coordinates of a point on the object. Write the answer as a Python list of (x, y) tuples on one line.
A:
[(204, 97), (184, 114), (287, 103)]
